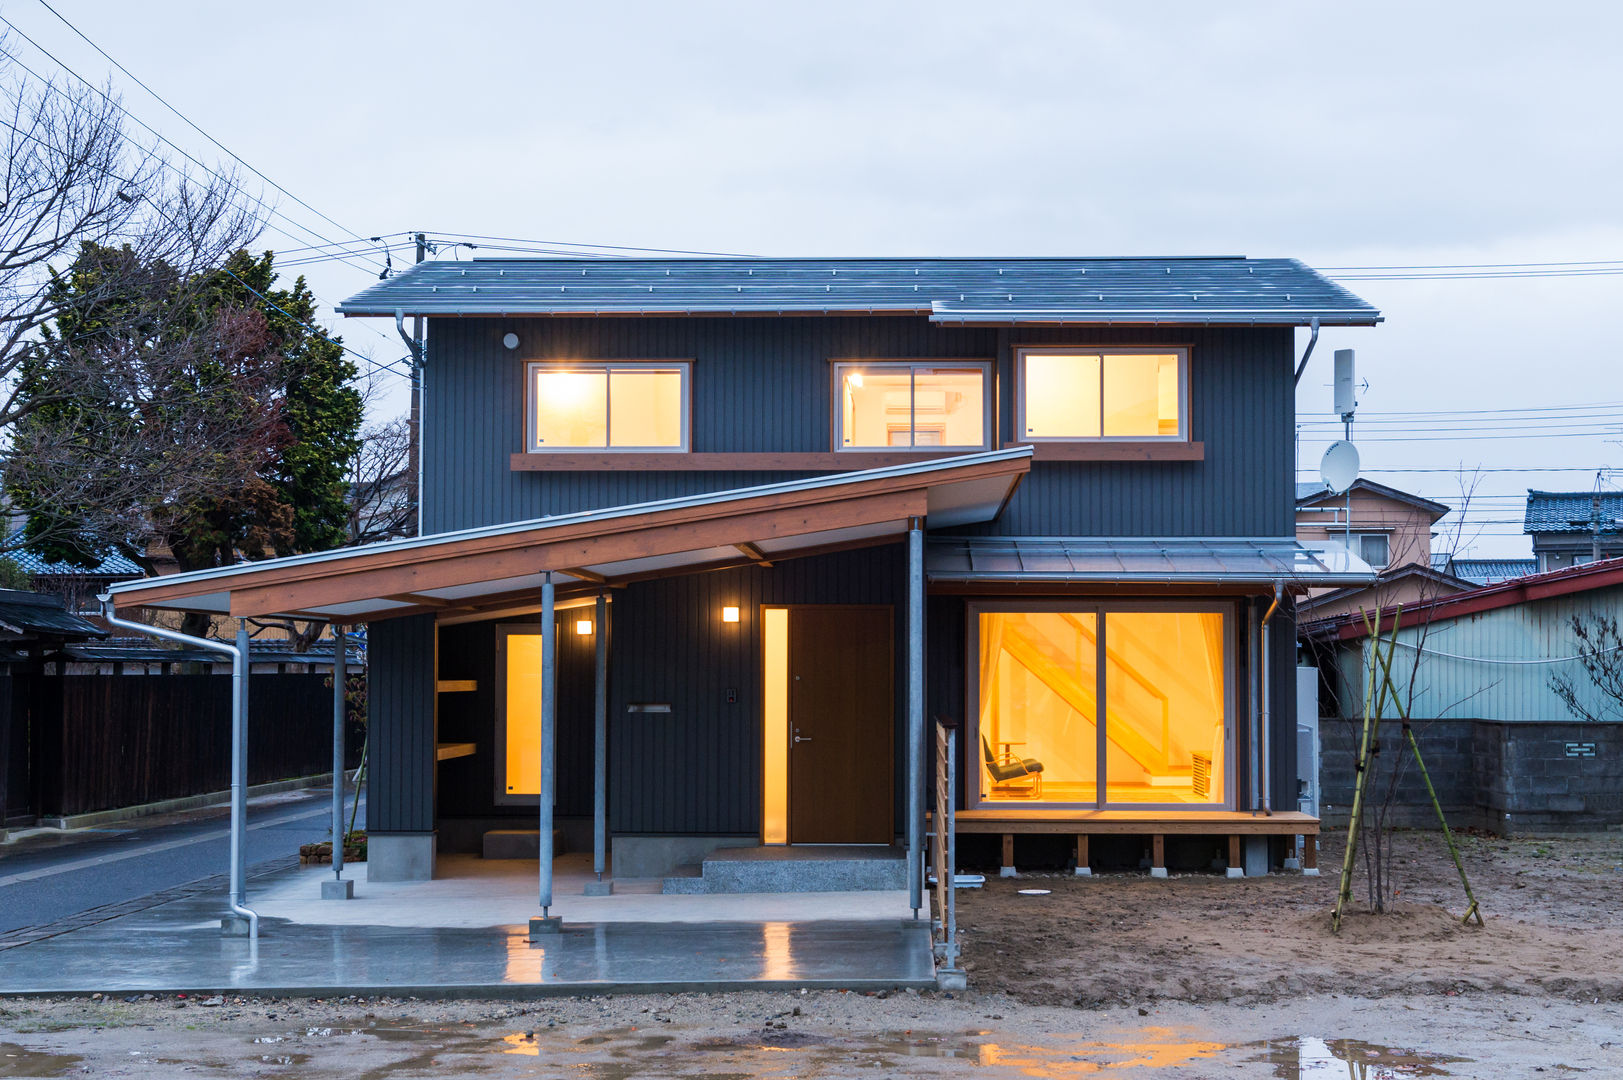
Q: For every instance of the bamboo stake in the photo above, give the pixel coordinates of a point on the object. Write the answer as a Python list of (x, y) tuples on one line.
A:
[(1436, 804), (360, 777), (1344, 894)]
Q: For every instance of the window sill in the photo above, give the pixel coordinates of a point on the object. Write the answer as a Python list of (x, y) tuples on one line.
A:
[(1123, 450), (603, 461)]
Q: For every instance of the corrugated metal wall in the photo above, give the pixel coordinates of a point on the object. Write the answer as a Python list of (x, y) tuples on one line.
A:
[(763, 384), (1445, 686), (400, 726)]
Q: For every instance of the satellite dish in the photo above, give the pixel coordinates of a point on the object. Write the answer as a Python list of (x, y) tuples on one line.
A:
[(1339, 467)]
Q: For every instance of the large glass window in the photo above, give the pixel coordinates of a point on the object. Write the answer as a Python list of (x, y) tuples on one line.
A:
[(1110, 394), (898, 405), (1099, 706), (630, 406)]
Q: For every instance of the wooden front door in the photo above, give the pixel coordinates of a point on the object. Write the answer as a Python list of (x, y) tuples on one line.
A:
[(841, 720)]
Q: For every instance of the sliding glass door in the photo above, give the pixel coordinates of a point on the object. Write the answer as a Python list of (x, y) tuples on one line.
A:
[(1098, 705)]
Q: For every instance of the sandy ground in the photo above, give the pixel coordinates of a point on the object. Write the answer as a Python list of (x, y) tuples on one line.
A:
[(1119, 976), (1553, 913)]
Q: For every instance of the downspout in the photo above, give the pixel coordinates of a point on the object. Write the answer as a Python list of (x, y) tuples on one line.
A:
[(1265, 670), (1311, 341), (239, 701), (417, 389)]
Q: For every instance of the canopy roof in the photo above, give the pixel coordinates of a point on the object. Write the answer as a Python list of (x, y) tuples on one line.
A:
[(1250, 561), (496, 567), (1222, 290)]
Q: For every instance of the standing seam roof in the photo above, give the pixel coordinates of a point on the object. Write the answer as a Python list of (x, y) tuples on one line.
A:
[(1220, 289)]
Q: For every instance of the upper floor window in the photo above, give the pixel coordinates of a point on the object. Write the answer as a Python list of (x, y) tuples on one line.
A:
[(900, 405), (624, 405), (1373, 548), (1103, 394)]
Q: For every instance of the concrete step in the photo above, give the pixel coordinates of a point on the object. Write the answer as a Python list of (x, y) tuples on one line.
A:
[(519, 843), (684, 880), (821, 868)]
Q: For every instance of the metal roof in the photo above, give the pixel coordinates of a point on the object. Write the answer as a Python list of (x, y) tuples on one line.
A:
[(1188, 560), (958, 490), (1311, 492), (29, 615), (1571, 511), (1218, 289)]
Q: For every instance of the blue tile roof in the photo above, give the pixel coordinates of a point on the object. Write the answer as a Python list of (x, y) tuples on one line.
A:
[(1570, 511), (1491, 571), (114, 565), (1227, 290)]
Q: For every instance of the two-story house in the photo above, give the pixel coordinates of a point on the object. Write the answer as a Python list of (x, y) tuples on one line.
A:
[(706, 542), (1574, 527)]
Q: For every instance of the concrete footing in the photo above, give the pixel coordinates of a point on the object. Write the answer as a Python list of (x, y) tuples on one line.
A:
[(599, 888), (1293, 863), (1234, 872), (1084, 871), (1310, 871), (234, 926), (952, 980), (1007, 871), (338, 890), (550, 924), (400, 856), (1158, 871)]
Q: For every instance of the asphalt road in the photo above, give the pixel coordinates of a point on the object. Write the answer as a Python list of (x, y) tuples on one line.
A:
[(42, 883)]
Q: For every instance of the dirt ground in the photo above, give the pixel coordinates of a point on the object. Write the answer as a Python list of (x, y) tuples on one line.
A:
[(1119, 976), (1552, 910)]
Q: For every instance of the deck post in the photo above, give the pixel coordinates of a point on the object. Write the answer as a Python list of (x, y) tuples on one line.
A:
[(1082, 857), (915, 711), (338, 888), (600, 753), (1236, 866), (547, 923), (1158, 855)]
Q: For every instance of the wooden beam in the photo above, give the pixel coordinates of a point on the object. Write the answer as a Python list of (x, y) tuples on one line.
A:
[(754, 554), (586, 575), (419, 600)]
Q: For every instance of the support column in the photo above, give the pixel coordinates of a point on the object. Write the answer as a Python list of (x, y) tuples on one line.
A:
[(547, 923), (338, 888), (600, 754), (241, 920), (915, 711)]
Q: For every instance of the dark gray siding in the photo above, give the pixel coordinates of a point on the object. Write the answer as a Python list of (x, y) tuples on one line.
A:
[(763, 384), (400, 722)]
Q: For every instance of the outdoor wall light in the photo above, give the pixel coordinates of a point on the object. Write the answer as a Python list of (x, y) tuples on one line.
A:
[(583, 627), (510, 340), (729, 614)]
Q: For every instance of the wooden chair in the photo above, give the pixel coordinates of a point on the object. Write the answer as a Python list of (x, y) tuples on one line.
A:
[(1012, 777)]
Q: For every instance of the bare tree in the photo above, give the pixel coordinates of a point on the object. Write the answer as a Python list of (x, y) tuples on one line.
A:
[(1600, 654), (383, 488), (76, 178)]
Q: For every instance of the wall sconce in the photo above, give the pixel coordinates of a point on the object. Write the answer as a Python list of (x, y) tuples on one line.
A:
[(729, 614), (583, 627)]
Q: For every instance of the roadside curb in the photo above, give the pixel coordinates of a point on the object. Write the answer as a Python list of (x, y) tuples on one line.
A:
[(173, 806)]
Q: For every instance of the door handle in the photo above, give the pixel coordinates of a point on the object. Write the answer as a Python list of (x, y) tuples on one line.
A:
[(799, 738)]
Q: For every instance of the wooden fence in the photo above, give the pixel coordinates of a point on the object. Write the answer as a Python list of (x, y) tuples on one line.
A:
[(97, 742)]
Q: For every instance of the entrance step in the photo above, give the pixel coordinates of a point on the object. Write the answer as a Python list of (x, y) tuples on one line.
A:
[(519, 843), (820, 868)]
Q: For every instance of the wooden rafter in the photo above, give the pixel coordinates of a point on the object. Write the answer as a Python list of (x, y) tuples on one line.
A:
[(754, 554)]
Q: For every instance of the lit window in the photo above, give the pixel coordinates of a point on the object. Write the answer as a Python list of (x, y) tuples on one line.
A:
[(894, 405), (633, 406), (1115, 394), (1159, 738)]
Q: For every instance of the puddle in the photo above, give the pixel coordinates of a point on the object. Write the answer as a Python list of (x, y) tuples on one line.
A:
[(1311, 1058), (18, 1060)]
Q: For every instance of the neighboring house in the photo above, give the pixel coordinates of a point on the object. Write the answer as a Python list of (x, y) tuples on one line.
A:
[(1389, 529), (814, 501), (1574, 527), (1484, 571), (1475, 671), (78, 586)]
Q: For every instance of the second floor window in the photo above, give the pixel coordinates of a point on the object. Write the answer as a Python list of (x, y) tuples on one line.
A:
[(1103, 394), (891, 405), (607, 406)]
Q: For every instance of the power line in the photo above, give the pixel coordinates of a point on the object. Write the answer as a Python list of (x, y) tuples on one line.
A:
[(601, 247), (1480, 266), (269, 210)]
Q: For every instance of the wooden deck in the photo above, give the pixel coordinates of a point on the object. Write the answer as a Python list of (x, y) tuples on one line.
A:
[(1008, 821)]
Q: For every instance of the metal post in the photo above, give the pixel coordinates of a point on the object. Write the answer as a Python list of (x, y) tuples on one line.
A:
[(338, 679), (1266, 670), (952, 849), (1254, 706), (915, 711), (549, 717), (600, 742), (239, 767)]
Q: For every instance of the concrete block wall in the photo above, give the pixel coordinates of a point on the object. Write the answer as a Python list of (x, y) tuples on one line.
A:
[(1508, 776)]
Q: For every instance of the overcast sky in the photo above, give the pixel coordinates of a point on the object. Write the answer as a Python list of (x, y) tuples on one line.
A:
[(1343, 135)]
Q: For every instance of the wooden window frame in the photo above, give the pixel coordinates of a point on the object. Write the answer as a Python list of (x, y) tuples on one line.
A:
[(987, 368), (1101, 607), (608, 367), (1102, 351)]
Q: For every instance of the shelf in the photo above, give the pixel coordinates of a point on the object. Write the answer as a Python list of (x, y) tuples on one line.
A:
[(445, 751), (457, 686)]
